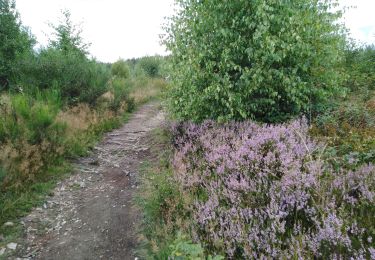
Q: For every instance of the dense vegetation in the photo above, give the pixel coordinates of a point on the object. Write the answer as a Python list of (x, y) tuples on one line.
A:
[(273, 151), (264, 191), (261, 60), (55, 103), (300, 187)]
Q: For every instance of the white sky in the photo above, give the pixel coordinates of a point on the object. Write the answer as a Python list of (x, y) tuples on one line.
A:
[(131, 28)]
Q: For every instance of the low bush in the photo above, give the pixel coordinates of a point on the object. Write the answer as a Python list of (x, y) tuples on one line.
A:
[(359, 65), (30, 138), (120, 69), (121, 88), (183, 248), (145, 89), (349, 130), (264, 191), (161, 202), (77, 78), (150, 66)]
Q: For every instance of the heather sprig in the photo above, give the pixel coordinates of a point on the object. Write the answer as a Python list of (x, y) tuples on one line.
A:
[(263, 191)]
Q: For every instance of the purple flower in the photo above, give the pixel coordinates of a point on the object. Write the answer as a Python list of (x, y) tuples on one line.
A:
[(261, 192)]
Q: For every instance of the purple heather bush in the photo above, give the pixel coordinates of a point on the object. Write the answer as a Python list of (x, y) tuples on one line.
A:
[(264, 191)]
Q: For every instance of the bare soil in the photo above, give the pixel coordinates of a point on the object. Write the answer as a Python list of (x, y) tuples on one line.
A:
[(91, 215)]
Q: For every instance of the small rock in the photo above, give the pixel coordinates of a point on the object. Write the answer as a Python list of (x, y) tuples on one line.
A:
[(44, 205), (9, 224), (12, 246), (2, 251), (1, 238), (94, 162), (82, 184)]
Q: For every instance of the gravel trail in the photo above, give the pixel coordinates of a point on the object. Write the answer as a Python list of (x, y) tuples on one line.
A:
[(91, 214)]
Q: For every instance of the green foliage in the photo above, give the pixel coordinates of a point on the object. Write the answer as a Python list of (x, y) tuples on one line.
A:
[(150, 66), (348, 125), (161, 202), (29, 118), (121, 91), (265, 60), (34, 143), (120, 69), (184, 249), (30, 138), (349, 129), (68, 36), (79, 79), (64, 65), (360, 67), (161, 205), (15, 42)]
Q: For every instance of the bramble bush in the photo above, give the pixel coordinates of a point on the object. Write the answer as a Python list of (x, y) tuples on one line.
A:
[(264, 191), (264, 60)]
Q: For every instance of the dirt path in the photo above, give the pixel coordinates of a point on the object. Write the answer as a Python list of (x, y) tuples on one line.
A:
[(91, 214)]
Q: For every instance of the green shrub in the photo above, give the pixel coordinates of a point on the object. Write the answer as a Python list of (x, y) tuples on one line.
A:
[(121, 91), (77, 78), (120, 69), (64, 65), (30, 138), (161, 202), (349, 129), (150, 66), (15, 43), (265, 60), (184, 249), (67, 36), (360, 67)]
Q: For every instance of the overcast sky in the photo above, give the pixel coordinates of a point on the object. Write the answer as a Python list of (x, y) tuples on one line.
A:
[(131, 28)]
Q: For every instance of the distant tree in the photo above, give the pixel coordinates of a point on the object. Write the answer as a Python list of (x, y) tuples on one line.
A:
[(150, 65), (360, 66), (67, 36), (64, 65), (265, 60), (120, 69), (15, 43)]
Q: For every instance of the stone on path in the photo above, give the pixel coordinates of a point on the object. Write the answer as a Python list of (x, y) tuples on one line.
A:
[(12, 246), (8, 224)]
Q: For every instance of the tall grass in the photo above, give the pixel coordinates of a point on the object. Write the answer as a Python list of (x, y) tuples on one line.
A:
[(40, 132)]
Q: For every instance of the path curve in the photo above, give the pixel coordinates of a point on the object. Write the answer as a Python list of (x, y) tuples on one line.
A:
[(91, 214)]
